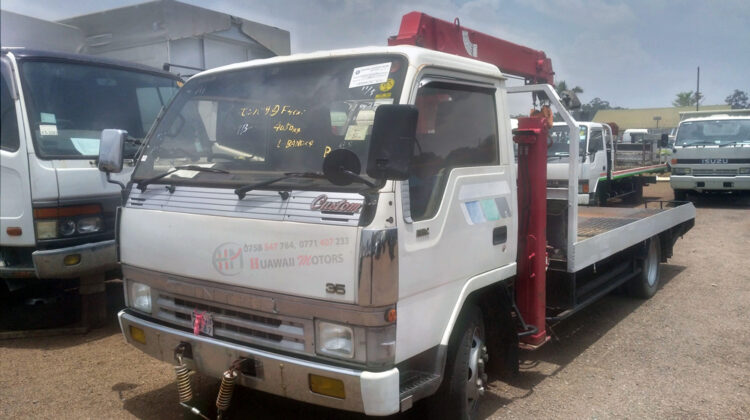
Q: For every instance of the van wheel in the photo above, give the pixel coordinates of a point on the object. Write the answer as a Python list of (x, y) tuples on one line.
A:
[(645, 284), (680, 195), (465, 378)]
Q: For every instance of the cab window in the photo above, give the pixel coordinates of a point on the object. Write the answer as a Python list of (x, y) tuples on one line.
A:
[(457, 128), (9, 139)]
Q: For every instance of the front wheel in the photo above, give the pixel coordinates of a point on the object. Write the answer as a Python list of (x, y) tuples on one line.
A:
[(644, 285), (465, 378)]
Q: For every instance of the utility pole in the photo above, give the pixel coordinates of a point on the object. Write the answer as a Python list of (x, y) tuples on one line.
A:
[(698, 91)]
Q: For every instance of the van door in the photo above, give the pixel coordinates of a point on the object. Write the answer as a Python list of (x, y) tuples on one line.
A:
[(456, 209), (15, 189)]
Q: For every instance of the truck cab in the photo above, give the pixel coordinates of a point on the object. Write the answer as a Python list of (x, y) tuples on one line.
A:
[(595, 155), (712, 153), (57, 213)]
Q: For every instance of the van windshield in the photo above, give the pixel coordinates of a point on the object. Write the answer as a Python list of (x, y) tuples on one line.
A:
[(70, 104), (559, 141), (694, 133), (261, 122)]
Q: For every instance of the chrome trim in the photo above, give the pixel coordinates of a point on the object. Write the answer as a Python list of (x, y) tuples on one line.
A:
[(256, 300), (95, 257), (378, 267), (276, 374)]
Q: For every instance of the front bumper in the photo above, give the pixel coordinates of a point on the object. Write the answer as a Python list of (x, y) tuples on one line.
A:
[(709, 183), (372, 393), (95, 257)]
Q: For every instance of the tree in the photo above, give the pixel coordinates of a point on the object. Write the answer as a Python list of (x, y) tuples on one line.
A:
[(688, 98), (738, 100), (561, 87)]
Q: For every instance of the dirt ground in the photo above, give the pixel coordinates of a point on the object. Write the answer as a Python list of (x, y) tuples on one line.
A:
[(685, 353)]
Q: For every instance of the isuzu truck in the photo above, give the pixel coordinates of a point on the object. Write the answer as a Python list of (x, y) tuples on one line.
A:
[(712, 153), (346, 228)]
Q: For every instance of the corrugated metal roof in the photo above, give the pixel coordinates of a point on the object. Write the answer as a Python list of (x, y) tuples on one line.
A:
[(644, 118)]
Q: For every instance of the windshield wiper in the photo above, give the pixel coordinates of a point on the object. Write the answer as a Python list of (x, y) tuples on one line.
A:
[(731, 143), (697, 142), (143, 183), (242, 191)]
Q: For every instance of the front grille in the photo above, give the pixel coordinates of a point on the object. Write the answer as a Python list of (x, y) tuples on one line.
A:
[(236, 325), (715, 172)]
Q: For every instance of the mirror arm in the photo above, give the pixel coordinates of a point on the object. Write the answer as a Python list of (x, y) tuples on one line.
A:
[(356, 176), (112, 181)]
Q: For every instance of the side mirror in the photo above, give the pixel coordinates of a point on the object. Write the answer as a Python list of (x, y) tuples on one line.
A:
[(664, 141), (570, 100), (110, 150), (394, 133)]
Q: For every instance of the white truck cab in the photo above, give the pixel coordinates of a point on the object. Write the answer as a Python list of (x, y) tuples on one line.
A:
[(595, 140), (712, 153), (57, 213)]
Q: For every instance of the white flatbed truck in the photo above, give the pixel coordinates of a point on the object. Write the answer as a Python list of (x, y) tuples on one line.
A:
[(345, 228), (607, 169)]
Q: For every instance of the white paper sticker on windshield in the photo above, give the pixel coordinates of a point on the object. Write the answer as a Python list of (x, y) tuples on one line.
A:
[(370, 75), (356, 132), (86, 147), (47, 118), (47, 129)]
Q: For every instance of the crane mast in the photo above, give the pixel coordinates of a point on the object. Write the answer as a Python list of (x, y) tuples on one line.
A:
[(426, 31)]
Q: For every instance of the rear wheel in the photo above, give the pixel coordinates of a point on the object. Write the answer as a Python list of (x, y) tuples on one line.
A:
[(465, 377), (645, 284)]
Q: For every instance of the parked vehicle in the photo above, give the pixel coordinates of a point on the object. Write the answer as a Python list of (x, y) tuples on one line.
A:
[(711, 153), (57, 213), (345, 228), (634, 135), (607, 169)]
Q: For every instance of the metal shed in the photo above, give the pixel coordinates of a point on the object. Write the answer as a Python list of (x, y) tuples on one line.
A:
[(188, 37)]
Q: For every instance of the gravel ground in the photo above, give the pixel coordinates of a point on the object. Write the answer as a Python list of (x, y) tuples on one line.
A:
[(685, 353)]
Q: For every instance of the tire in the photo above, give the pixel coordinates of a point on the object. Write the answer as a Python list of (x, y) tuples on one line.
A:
[(465, 379), (645, 284), (636, 196), (680, 195)]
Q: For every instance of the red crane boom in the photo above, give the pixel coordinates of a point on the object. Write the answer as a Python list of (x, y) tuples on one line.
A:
[(428, 32)]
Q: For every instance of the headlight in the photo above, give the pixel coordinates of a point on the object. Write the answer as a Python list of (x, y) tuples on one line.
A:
[(680, 171), (140, 296), (89, 224), (744, 171), (46, 229), (335, 340), (67, 227)]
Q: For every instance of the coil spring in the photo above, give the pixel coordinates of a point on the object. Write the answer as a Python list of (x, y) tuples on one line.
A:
[(225, 390), (184, 387)]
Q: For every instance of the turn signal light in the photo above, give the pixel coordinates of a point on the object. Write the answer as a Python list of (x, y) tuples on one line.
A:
[(14, 231), (72, 259), (55, 212), (137, 334), (390, 315), (326, 386)]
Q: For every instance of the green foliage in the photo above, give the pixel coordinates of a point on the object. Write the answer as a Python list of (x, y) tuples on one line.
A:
[(688, 98), (738, 100)]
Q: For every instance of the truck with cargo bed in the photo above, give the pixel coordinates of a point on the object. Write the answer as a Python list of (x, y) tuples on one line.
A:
[(350, 231), (607, 169)]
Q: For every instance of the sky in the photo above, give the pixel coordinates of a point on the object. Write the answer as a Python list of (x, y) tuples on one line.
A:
[(634, 54)]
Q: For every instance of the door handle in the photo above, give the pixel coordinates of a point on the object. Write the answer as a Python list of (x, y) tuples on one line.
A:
[(499, 235)]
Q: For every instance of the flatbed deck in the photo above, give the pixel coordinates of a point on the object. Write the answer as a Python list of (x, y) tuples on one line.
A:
[(604, 231)]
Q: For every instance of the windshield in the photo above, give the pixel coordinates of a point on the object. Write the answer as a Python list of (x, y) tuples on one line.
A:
[(70, 104), (713, 132), (559, 141), (262, 122)]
